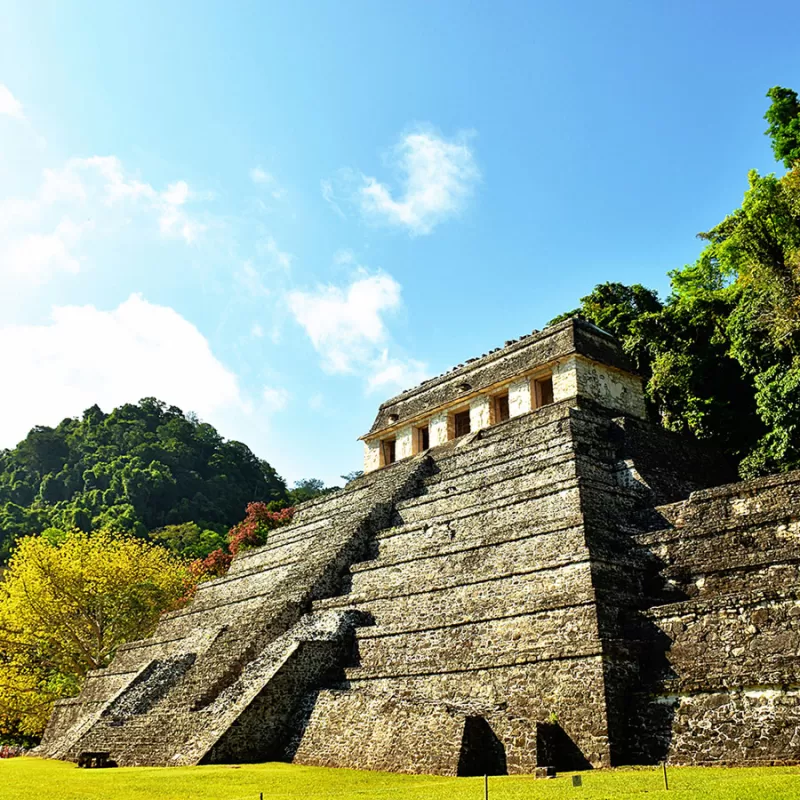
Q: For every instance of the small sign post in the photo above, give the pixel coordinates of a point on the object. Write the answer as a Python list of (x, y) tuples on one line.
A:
[(485, 787), (664, 764)]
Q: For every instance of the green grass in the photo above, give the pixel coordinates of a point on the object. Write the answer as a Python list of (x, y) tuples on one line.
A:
[(29, 778)]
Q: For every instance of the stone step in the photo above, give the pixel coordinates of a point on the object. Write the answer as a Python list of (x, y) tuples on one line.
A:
[(511, 549), (477, 661), (487, 639), (524, 462), (553, 507), (431, 508), (515, 593), (477, 456)]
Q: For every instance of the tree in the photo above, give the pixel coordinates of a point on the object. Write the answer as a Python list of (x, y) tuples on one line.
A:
[(140, 468), (68, 600), (189, 540), (252, 531), (308, 489), (784, 125), (721, 358)]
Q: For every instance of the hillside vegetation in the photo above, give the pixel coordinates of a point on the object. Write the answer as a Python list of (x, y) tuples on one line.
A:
[(136, 469)]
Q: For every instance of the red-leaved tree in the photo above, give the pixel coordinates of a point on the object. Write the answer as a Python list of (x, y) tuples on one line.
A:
[(251, 532)]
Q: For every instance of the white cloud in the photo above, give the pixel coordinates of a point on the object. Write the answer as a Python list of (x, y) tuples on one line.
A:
[(119, 187), (85, 355), (36, 256), (176, 194), (396, 373), (274, 399), (276, 257), (316, 402), (344, 256), (264, 178), (9, 105), (40, 235), (250, 279), (256, 331), (329, 195), (344, 324), (347, 328), (437, 177)]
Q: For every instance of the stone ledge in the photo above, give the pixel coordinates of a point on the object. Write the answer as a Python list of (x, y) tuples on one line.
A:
[(358, 674), (353, 597), (379, 563)]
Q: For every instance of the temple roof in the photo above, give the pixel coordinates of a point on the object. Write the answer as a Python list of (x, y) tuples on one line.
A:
[(516, 357)]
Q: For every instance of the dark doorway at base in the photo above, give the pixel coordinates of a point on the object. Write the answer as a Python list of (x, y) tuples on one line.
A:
[(482, 753)]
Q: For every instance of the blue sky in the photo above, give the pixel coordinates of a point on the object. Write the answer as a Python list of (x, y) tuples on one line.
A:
[(277, 215)]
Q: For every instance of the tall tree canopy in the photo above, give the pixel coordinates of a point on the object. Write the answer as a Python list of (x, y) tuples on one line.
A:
[(784, 124), (67, 602), (721, 356), (139, 468)]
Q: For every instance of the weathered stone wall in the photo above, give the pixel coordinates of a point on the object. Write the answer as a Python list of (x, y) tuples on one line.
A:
[(519, 397), (479, 412), (439, 430), (485, 592), (611, 388), (721, 680), (240, 634), (582, 361)]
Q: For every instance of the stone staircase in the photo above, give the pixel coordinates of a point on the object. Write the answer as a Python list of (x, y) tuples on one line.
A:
[(483, 579), (162, 698)]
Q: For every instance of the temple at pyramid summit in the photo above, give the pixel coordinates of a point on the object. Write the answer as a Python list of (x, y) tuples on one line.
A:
[(530, 573)]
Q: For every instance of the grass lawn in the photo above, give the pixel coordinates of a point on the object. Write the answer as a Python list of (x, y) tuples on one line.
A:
[(29, 778)]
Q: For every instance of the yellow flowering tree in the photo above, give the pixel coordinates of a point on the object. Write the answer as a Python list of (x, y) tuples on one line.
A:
[(68, 600)]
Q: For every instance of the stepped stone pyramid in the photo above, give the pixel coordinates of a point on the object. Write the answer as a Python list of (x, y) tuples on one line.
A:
[(529, 573)]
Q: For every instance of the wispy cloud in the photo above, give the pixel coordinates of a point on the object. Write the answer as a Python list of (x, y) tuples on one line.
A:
[(343, 323), (437, 176), (274, 399), (36, 256), (276, 258), (42, 233), (329, 195), (344, 256), (395, 373), (250, 279), (268, 181), (79, 176), (347, 328), (9, 105)]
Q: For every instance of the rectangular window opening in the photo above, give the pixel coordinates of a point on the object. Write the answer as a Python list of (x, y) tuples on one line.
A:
[(388, 452), (500, 409), (543, 391), (421, 439), (461, 423)]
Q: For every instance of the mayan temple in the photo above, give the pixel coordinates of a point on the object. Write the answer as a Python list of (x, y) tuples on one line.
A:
[(529, 573)]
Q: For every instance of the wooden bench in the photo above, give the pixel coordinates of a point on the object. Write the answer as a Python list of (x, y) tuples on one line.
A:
[(98, 760)]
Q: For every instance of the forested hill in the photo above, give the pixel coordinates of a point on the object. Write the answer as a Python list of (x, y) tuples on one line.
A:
[(137, 468)]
